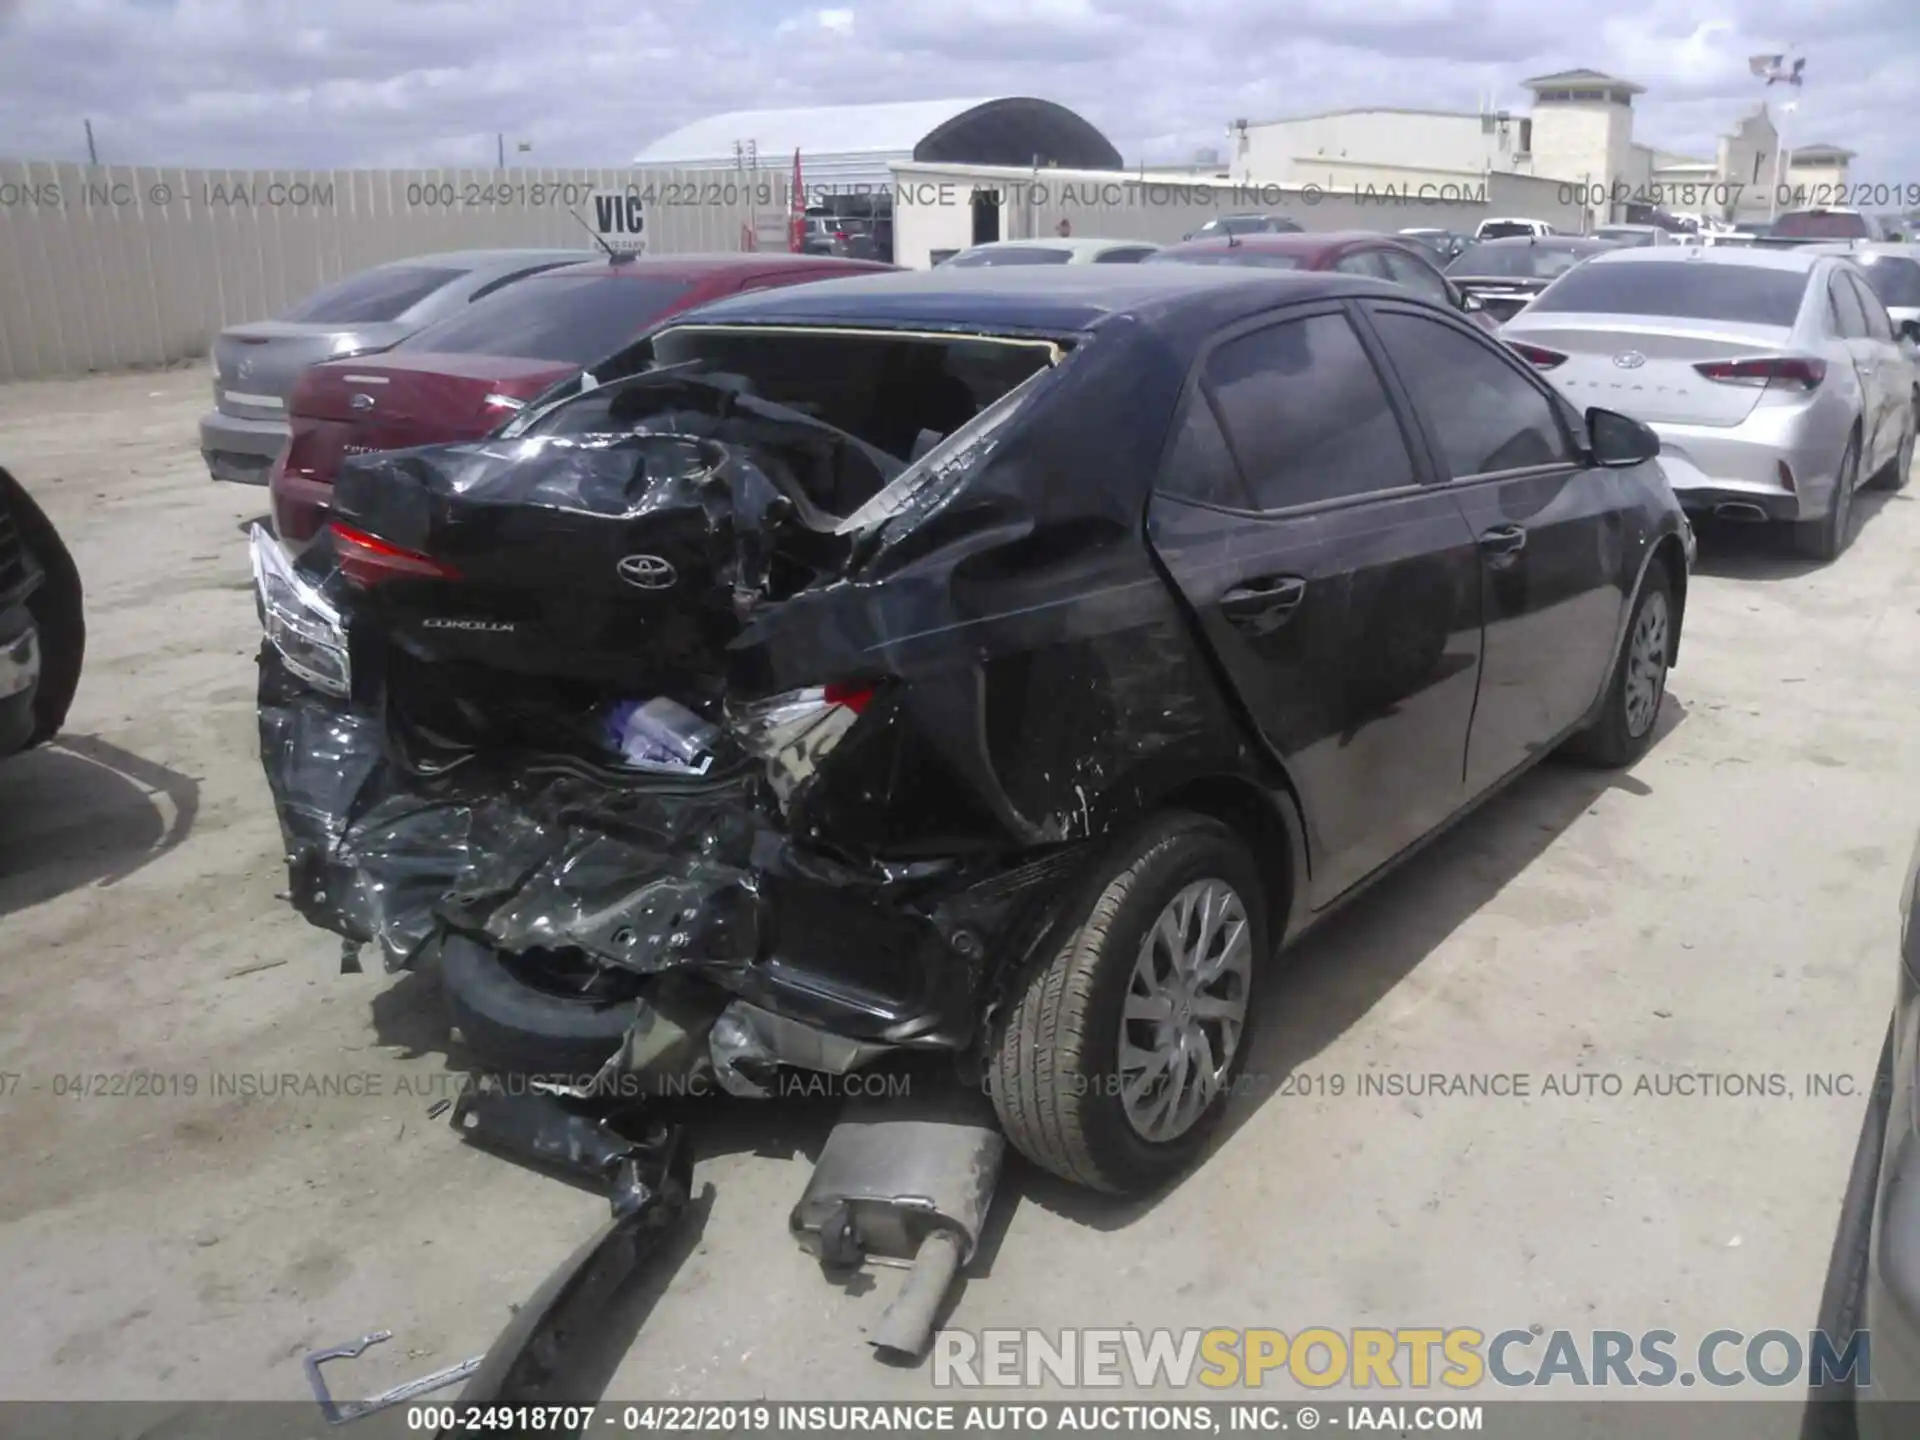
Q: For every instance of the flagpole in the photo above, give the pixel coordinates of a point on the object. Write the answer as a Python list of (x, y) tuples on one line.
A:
[(1780, 153)]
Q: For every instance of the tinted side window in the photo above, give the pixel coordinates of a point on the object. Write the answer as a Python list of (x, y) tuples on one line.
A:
[(1121, 257), (1307, 414), (1200, 466), (1846, 305), (1879, 324), (1486, 415), (1419, 278)]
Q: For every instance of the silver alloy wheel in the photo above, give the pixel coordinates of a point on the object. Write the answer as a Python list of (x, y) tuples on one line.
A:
[(1186, 1008), (1646, 664)]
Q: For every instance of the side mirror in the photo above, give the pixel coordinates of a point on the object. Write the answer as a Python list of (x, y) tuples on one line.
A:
[(1471, 303), (1619, 440)]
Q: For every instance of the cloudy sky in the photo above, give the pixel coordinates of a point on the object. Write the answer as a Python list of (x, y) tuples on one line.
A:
[(337, 83)]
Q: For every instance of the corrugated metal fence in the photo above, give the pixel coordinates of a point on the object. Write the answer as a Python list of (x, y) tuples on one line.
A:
[(106, 267)]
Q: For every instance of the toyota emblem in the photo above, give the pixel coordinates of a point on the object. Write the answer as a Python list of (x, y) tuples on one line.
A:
[(1629, 359), (649, 572), (361, 402)]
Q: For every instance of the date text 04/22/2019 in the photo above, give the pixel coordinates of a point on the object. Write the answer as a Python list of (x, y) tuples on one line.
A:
[(1690, 194)]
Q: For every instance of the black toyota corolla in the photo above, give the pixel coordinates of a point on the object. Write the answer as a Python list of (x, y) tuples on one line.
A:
[(1003, 661)]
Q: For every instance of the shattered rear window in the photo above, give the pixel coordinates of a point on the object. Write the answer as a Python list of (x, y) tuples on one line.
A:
[(900, 392)]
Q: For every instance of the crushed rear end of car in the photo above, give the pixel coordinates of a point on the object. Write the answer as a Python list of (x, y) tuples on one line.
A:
[(760, 732)]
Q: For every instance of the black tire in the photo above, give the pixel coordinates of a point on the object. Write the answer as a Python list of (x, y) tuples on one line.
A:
[(58, 610), (1900, 468), (1826, 538), (516, 1028), (1615, 738), (1830, 1409), (1053, 1058)]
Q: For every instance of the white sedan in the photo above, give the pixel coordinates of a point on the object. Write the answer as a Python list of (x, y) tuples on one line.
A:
[(1773, 377)]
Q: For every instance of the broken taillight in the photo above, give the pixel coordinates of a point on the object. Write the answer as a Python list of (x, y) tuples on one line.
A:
[(854, 697), (368, 560), (1537, 356), (794, 732), (1800, 373)]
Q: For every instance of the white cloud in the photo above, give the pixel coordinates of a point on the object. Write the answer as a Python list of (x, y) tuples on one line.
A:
[(366, 82)]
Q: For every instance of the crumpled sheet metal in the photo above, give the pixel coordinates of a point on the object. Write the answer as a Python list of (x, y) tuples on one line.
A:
[(525, 859)]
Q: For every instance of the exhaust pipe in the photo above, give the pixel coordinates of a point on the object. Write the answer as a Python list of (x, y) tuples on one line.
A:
[(1738, 510)]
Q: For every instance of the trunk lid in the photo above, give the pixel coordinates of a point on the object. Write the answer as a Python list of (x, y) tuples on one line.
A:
[(625, 562), (1503, 298), (402, 400), (256, 366), (1661, 385)]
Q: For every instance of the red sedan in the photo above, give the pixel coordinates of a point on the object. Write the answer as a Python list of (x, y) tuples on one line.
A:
[(1352, 252), (463, 377)]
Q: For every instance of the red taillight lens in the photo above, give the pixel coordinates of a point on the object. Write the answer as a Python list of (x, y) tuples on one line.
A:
[(854, 697), (368, 560), (1784, 372), (1537, 356)]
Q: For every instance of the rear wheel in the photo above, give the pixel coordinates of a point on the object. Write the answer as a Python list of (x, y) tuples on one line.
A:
[(1825, 538), (1115, 1055), (1895, 476)]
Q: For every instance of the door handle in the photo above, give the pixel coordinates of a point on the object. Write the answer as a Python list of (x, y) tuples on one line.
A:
[(1503, 540), (1265, 604)]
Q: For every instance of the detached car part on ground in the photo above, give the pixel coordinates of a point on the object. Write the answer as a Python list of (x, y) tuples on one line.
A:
[(43, 633), (1000, 663)]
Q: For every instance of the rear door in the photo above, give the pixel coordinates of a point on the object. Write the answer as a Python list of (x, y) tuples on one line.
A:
[(1337, 588), (1551, 534), (1889, 372)]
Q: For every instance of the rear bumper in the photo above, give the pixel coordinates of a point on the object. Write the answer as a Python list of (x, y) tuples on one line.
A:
[(678, 878), (240, 450), (1711, 467), (19, 677)]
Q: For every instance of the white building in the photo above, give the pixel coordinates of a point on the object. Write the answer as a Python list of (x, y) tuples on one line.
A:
[(1578, 132), (845, 148)]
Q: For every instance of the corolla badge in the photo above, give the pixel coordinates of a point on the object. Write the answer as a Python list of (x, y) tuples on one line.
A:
[(361, 402), (649, 572), (1629, 359), (244, 372)]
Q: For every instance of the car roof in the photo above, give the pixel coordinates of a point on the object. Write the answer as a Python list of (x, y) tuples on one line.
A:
[(481, 259), (1905, 249), (1546, 242), (1752, 256), (1051, 299), (1305, 244), (1078, 244), (707, 267)]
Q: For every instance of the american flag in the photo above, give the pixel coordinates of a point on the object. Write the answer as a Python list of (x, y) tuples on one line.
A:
[(1776, 70)]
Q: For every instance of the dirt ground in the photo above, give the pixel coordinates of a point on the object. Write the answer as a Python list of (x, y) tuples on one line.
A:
[(1728, 907)]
